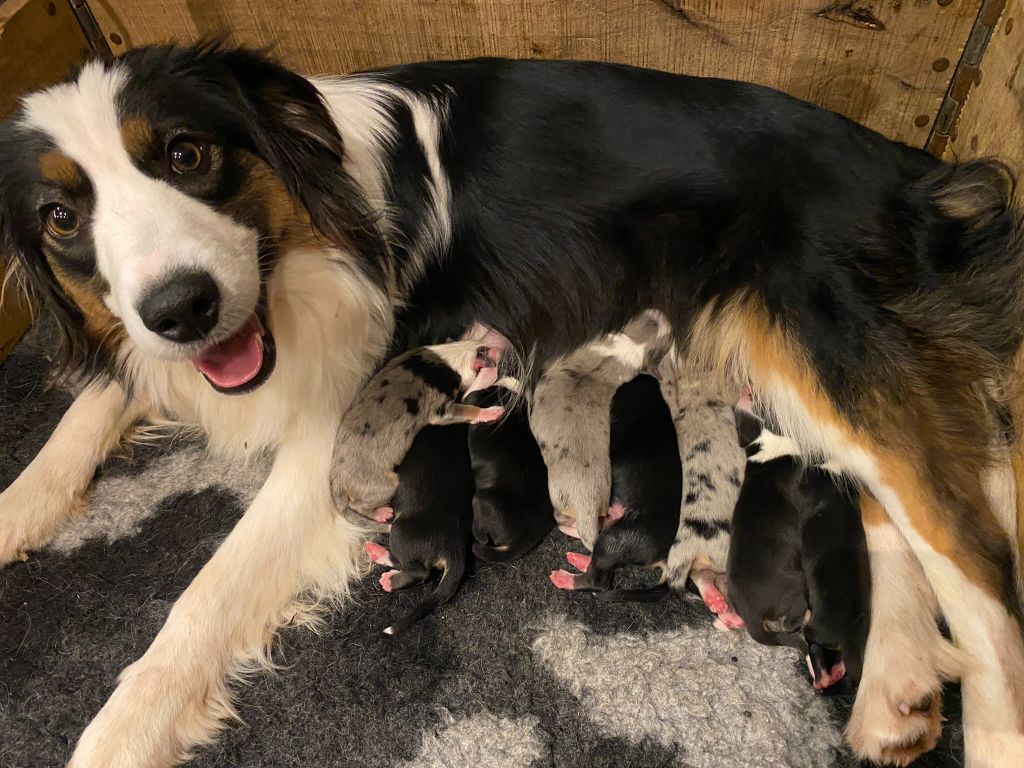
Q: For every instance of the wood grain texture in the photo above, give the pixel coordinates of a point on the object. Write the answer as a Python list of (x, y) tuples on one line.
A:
[(40, 42), (992, 120), (884, 63)]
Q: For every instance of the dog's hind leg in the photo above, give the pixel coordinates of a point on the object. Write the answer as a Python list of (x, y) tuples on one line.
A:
[(289, 541), (897, 715), (50, 489), (979, 599)]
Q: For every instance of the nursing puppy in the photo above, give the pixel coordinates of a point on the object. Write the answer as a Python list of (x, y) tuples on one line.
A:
[(415, 389), (569, 416), (433, 509), (798, 569), (646, 488), (512, 510), (712, 471)]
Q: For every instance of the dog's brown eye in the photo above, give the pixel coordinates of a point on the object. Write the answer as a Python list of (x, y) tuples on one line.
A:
[(61, 221), (186, 156)]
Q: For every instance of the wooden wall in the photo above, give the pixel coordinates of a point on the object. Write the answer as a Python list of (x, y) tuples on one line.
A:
[(884, 63), (992, 119)]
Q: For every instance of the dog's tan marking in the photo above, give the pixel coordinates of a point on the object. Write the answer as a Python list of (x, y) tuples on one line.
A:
[(742, 340), (100, 323), (56, 167), (137, 136)]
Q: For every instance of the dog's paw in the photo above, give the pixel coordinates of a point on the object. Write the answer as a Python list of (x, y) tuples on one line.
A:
[(895, 720), (27, 512), (153, 716)]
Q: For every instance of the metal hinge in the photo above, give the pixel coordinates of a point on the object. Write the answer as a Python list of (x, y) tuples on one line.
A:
[(965, 76), (93, 34)]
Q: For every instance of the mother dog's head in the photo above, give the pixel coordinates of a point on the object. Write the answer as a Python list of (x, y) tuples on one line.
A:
[(145, 203)]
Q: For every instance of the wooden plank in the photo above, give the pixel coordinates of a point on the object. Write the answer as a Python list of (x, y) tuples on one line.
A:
[(40, 42), (992, 120), (885, 64)]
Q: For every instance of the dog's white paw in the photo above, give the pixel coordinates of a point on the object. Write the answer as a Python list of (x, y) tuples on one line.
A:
[(895, 721), (28, 511), (151, 720)]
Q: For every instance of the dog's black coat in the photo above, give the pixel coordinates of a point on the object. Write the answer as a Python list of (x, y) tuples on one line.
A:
[(647, 480), (433, 516), (798, 544), (512, 510)]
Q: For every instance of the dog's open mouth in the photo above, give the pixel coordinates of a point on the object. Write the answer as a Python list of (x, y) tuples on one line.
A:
[(241, 363)]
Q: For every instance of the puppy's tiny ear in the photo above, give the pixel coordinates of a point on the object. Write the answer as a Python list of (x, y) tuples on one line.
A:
[(976, 192)]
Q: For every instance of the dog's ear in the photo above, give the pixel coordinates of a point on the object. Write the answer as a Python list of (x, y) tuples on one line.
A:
[(24, 268), (292, 130), (976, 192)]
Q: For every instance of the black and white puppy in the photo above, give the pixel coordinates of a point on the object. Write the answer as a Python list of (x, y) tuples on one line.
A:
[(646, 493), (433, 517), (512, 510), (798, 570)]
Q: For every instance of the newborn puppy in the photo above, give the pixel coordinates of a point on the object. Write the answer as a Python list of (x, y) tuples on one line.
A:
[(798, 562), (570, 418), (511, 508), (646, 490), (838, 573), (433, 515), (415, 389), (712, 473)]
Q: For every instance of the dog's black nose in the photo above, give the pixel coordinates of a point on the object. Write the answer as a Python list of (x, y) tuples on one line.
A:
[(183, 309)]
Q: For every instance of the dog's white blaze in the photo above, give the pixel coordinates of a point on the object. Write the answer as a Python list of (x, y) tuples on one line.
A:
[(143, 229)]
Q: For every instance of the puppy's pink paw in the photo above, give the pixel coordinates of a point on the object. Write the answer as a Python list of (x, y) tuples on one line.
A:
[(730, 619), (383, 515), (489, 414), (377, 553), (385, 580), (714, 600), (563, 579), (615, 512), (578, 561)]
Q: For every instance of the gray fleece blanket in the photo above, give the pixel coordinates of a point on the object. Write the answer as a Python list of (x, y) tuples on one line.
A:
[(511, 674)]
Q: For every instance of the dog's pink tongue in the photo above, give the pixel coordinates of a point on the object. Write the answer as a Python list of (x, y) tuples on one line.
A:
[(235, 361)]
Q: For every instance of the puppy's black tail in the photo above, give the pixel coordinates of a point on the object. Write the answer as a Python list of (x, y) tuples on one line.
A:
[(451, 578), (648, 595)]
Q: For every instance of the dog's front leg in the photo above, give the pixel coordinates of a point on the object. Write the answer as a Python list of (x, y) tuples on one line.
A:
[(50, 489), (290, 540)]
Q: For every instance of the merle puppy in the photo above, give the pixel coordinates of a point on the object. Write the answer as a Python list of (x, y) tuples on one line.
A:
[(798, 571), (512, 510), (646, 493), (433, 517), (415, 389)]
